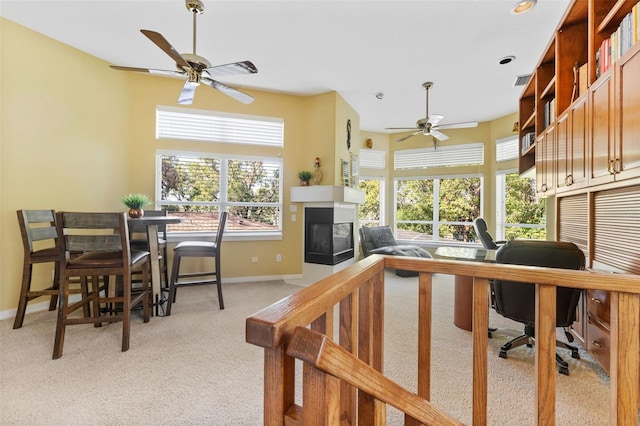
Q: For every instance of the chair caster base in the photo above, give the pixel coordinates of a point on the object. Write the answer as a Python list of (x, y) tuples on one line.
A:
[(563, 370), (575, 355), (503, 354)]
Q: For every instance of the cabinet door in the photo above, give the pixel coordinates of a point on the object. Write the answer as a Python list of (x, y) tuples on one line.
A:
[(548, 143), (627, 153), (601, 130), (578, 123), (563, 152)]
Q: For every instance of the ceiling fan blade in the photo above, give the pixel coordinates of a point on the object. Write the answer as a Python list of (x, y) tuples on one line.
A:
[(163, 44), (463, 125), (244, 67), (402, 128), (440, 136), (169, 73), (434, 119), (228, 90), (411, 135), (187, 93)]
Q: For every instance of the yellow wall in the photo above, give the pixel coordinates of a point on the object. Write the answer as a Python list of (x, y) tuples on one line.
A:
[(76, 135)]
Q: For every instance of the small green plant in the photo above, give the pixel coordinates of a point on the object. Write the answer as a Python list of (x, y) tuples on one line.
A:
[(136, 201), (305, 176)]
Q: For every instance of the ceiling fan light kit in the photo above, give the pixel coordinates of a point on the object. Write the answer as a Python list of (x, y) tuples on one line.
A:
[(195, 68), (429, 126)]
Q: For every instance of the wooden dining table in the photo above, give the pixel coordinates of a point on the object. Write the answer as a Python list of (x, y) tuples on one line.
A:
[(152, 223)]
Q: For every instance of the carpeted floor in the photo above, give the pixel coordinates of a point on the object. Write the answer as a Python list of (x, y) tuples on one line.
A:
[(196, 368)]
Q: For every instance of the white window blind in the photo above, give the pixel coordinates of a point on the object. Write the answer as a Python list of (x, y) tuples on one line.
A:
[(372, 159), (507, 149), (444, 156), (214, 126)]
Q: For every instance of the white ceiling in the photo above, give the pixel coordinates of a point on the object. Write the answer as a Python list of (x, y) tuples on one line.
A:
[(357, 48)]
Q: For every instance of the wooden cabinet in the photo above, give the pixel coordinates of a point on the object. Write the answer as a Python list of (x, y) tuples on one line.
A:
[(585, 121)]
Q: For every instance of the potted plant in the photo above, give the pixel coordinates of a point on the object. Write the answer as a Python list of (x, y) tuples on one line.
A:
[(305, 177), (135, 203)]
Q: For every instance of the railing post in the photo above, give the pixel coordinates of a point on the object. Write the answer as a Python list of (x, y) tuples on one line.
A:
[(279, 382), (625, 332), (348, 332), (480, 331), (545, 355)]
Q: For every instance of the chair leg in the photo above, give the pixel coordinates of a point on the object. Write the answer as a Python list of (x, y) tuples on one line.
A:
[(24, 295), (219, 283), (172, 283), (61, 322), (53, 303)]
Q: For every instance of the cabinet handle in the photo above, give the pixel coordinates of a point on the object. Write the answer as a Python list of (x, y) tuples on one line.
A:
[(569, 180), (596, 344), (594, 300), (616, 166)]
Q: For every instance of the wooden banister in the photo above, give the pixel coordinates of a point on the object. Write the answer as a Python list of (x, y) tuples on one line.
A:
[(334, 387), (322, 353)]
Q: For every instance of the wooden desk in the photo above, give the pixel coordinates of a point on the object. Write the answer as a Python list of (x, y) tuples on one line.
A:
[(152, 223), (463, 296)]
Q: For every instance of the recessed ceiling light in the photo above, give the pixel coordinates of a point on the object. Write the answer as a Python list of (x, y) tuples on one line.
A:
[(506, 60), (523, 6), (379, 95)]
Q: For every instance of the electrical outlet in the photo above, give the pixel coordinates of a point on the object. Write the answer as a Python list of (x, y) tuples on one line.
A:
[(278, 258), (254, 259)]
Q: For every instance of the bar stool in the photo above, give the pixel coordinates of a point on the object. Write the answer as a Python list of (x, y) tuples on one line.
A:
[(197, 249), (37, 227)]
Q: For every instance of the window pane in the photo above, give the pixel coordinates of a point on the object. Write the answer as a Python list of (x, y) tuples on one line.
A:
[(196, 218), (253, 181), (525, 214), (369, 211), (190, 179), (414, 209), (254, 218), (459, 206)]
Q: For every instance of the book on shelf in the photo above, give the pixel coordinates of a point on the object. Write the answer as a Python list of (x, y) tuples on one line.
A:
[(528, 139), (619, 42)]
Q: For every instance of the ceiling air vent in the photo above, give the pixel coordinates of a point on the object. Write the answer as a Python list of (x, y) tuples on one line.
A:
[(521, 80)]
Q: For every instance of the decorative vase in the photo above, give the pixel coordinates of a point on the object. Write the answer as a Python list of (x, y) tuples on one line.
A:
[(136, 213), (304, 183)]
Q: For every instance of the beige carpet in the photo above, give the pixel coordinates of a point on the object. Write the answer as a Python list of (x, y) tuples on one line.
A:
[(195, 367)]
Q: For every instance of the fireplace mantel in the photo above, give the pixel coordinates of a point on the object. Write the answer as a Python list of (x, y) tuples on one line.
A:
[(326, 193)]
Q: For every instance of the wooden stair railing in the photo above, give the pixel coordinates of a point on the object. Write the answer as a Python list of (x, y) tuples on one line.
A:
[(332, 363), (357, 294)]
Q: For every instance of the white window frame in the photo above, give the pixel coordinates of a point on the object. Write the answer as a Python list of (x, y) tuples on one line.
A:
[(435, 238), (501, 206), (223, 204)]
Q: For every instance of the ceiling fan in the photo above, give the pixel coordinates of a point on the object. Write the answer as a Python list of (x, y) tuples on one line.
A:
[(195, 68), (429, 126)]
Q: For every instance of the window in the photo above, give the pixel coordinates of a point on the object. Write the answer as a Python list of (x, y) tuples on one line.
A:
[(371, 212), (454, 155), (437, 209), (507, 149), (372, 159), (197, 186), (519, 214), (214, 126)]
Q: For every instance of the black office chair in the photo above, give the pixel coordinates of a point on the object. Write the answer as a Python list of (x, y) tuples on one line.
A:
[(480, 226), (516, 300), (197, 249)]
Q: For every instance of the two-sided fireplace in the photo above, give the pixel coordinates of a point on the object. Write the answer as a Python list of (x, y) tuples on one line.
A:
[(328, 236)]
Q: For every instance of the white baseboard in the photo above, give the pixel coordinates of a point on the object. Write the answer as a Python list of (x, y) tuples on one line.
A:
[(44, 305)]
